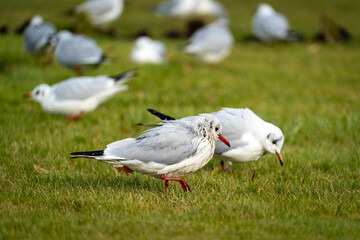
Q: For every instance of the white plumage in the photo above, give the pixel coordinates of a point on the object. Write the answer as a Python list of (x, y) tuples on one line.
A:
[(211, 43), (250, 136), (146, 50), (191, 8), (268, 25), (101, 12)]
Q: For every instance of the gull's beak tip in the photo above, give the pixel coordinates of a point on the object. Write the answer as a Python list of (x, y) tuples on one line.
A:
[(278, 155), (224, 140)]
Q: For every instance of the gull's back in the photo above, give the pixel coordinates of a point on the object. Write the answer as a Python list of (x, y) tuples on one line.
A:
[(81, 88), (78, 50), (168, 144)]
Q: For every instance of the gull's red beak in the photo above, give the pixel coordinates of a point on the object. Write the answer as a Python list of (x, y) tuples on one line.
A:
[(221, 138), (27, 95), (279, 157)]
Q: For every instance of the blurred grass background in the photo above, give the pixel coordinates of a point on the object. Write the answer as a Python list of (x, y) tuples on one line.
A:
[(310, 90)]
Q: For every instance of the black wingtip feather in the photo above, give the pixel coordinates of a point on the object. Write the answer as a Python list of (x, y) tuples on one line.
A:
[(125, 75), (159, 115), (89, 153)]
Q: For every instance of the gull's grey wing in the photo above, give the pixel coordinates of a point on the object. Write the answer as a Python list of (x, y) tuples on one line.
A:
[(213, 38), (235, 123), (37, 36), (81, 88), (169, 144), (79, 50), (275, 26)]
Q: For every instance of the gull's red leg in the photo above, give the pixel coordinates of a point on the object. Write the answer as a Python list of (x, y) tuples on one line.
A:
[(78, 70), (166, 185), (186, 185), (182, 182), (75, 116), (253, 176), (222, 166), (229, 168)]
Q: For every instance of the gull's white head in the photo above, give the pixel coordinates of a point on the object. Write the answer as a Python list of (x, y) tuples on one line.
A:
[(63, 35), (36, 20), (143, 42), (207, 123), (274, 141), (264, 9), (39, 93)]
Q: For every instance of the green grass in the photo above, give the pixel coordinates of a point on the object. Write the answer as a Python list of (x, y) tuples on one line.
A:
[(311, 91)]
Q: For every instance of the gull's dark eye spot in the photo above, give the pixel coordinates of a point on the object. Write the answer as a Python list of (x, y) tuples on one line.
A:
[(37, 92), (274, 141), (216, 129)]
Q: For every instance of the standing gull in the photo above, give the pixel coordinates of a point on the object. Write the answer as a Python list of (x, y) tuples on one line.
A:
[(268, 25), (39, 37), (174, 149), (191, 8), (101, 12), (211, 43), (250, 136), (77, 51), (76, 96)]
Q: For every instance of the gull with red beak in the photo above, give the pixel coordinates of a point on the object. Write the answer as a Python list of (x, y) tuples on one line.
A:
[(74, 97), (250, 136), (174, 149)]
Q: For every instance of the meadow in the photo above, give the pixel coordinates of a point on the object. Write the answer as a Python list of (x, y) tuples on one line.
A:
[(310, 90)]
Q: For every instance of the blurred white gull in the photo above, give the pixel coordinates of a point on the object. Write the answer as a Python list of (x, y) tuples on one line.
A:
[(250, 136), (210, 8), (177, 8), (172, 150), (191, 8), (39, 37), (146, 50), (76, 96), (268, 25), (101, 12), (211, 43), (77, 51)]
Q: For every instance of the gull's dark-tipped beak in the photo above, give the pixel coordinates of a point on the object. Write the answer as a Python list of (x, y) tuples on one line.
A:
[(27, 95), (221, 138), (279, 157)]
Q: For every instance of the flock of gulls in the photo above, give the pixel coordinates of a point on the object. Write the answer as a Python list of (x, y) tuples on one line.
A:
[(173, 147)]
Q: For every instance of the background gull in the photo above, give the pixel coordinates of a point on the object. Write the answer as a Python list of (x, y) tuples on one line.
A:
[(211, 8), (76, 96), (268, 25), (250, 136), (211, 43), (177, 8), (77, 51), (146, 50), (191, 8), (39, 37), (101, 12), (174, 149)]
